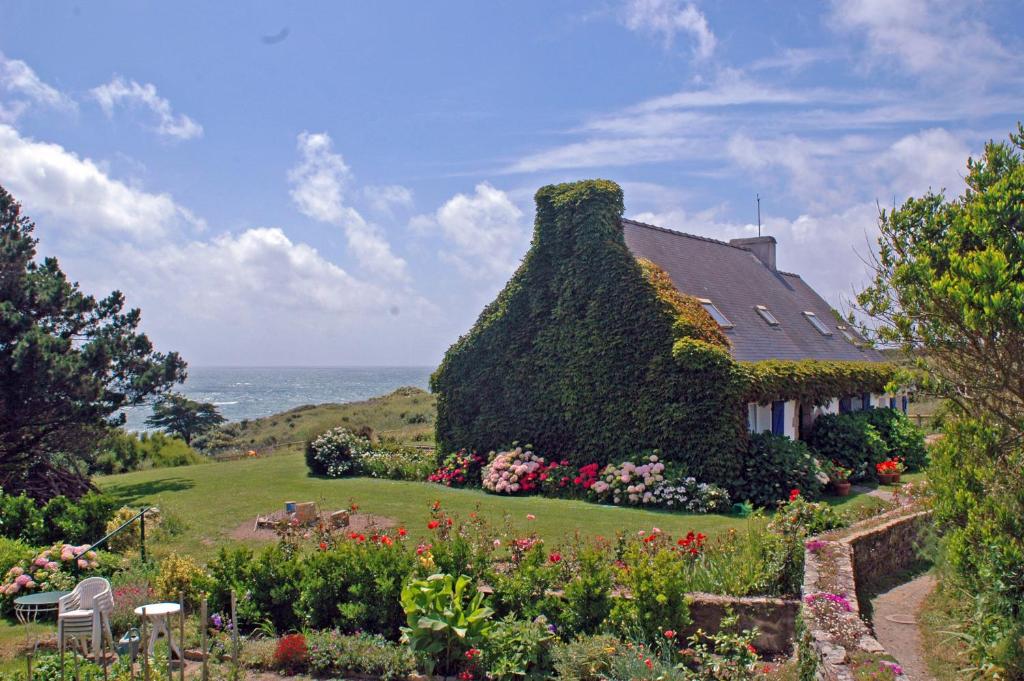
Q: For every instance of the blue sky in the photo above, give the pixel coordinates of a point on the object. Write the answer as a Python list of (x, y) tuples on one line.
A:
[(328, 183)]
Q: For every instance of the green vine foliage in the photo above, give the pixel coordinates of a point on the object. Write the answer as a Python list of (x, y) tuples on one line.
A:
[(814, 381), (592, 355)]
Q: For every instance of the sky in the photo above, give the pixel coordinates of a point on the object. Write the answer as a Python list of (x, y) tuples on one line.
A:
[(349, 183)]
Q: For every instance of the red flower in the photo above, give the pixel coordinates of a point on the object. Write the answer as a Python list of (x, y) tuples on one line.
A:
[(793, 494), (555, 557), (402, 532), (650, 665), (386, 540), (471, 653), (323, 546), (752, 649), (670, 634), (433, 525)]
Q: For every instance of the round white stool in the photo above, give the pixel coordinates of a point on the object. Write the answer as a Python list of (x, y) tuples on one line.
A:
[(159, 615)]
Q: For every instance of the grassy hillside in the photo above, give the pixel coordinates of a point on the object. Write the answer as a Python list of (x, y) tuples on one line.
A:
[(407, 414)]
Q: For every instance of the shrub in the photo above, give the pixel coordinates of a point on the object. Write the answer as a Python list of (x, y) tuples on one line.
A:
[(356, 586), (902, 438), (657, 583), (446, 621), (335, 655), (520, 586), (97, 509), (64, 520), (774, 465), (130, 537), (12, 552), (51, 570), (336, 453), (628, 482), (587, 658), (850, 440), (686, 494), (461, 469), (395, 461), (291, 654), (587, 593), (513, 472), (127, 597), (179, 575), (258, 653), (519, 649), (20, 518)]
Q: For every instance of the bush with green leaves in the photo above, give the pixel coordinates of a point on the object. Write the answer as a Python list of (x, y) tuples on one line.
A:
[(337, 453), (60, 520), (335, 655), (774, 466), (851, 441), (356, 586), (902, 438), (585, 658), (586, 598), (392, 460), (446, 619), (519, 649), (267, 584), (521, 585)]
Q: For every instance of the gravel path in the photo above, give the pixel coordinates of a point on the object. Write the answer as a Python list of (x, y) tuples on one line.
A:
[(895, 623)]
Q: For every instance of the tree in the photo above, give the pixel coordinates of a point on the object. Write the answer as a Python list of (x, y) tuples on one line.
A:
[(949, 290), (68, 364), (183, 417)]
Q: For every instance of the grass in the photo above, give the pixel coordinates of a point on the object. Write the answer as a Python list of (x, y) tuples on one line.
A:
[(216, 498), (945, 653), (406, 414)]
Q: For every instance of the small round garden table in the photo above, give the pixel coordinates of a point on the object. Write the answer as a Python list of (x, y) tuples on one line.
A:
[(28, 608), (159, 614)]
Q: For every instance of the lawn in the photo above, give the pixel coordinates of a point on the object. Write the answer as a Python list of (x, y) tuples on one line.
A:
[(215, 499)]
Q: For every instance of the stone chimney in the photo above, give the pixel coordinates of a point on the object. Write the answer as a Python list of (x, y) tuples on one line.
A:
[(763, 247)]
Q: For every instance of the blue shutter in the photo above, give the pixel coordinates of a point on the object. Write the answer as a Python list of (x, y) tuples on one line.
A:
[(865, 401), (892, 402), (778, 417), (844, 405), (906, 401)]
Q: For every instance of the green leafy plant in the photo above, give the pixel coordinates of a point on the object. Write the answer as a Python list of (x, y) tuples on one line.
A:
[(774, 465), (585, 658), (850, 440), (443, 621), (519, 649)]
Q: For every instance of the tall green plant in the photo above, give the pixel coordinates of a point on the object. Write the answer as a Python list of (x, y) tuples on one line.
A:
[(443, 621)]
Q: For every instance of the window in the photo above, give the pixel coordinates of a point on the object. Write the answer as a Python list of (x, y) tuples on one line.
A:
[(818, 324), (766, 315), (845, 405), (892, 402), (752, 417), (715, 313), (865, 401), (778, 417), (848, 334)]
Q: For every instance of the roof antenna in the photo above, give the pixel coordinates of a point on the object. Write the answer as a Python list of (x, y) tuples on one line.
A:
[(758, 214)]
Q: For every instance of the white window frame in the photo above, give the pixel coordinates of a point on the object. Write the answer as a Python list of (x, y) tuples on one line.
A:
[(766, 315), (817, 323), (715, 313)]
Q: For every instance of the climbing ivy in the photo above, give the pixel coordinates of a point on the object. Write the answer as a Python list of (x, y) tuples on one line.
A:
[(814, 381), (592, 355)]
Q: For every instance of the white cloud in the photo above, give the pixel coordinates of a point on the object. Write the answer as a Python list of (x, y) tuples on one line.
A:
[(602, 151), (934, 38), (485, 230), (667, 18), (17, 79), (319, 183), (119, 91), (384, 199), (55, 182), (932, 159)]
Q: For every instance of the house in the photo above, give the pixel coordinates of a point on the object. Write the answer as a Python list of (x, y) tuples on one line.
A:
[(767, 314), (614, 337)]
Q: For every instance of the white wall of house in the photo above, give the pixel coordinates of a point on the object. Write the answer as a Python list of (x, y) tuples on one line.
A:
[(791, 419), (759, 418)]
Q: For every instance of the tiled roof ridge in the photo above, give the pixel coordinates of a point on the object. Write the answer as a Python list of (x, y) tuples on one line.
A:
[(789, 274), (685, 234)]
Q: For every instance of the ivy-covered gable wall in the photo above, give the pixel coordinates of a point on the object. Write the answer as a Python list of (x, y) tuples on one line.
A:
[(588, 354)]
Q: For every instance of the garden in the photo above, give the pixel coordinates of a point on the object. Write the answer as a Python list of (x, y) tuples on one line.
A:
[(453, 587)]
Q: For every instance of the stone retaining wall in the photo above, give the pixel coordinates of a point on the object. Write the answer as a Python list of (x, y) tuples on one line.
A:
[(859, 556), (775, 618)]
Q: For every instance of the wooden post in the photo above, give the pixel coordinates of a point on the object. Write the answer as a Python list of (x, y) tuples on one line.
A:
[(28, 663), (142, 536), (181, 641), (202, 638), (144, 648), (234, 637)]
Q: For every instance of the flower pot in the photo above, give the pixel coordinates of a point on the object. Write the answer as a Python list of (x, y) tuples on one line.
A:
[(888, 478), (842, 489)]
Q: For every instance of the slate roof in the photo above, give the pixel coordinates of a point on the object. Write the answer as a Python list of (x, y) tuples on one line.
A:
[(736, 281)]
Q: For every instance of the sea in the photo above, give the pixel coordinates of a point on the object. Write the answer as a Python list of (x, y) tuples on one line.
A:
[(252, 392)]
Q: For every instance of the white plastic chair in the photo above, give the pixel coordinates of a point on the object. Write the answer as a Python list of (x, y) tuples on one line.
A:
[(85, 613)]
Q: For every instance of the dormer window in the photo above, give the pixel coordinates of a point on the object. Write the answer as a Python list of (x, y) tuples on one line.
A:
[(715, 313), (817, 324), (766, 315)]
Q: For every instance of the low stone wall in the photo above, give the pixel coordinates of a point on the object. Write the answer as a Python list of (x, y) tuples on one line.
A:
[(775, 618), (859, 556)]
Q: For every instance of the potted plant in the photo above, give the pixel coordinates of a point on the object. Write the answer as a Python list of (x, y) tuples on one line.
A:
[(838, 477), (889, 471)]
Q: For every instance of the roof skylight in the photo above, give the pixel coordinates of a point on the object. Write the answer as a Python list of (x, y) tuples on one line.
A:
[(716, 314), (817, 323), (848, 334), (766, 315)]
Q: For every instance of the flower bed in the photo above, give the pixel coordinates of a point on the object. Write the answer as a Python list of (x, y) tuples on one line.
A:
[(51, 570)]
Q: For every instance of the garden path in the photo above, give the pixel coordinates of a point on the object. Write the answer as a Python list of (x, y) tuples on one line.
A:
[(896, 627)]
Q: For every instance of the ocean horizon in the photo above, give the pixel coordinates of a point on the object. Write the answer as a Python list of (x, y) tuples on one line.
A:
[(250, 392)]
